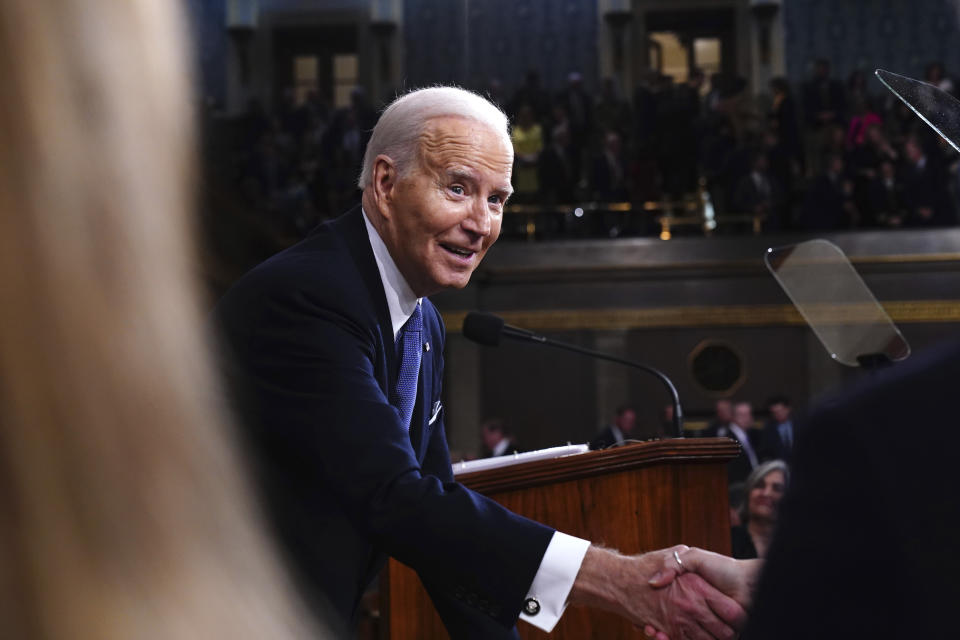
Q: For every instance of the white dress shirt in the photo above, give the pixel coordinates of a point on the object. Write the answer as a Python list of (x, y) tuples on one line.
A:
[(617, 434), (741, 435), (500, 448), (564, 555)]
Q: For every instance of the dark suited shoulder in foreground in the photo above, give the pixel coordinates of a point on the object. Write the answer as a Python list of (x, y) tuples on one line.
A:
[(867, 544)]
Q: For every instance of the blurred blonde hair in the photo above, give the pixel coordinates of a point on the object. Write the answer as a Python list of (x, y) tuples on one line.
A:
[(124, 510)]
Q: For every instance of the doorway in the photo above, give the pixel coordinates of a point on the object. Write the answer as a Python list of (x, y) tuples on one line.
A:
[(682, 40), (320, 59)]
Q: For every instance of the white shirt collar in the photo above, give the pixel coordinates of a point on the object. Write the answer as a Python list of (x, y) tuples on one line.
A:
[(617, 434), (500, 448), (401, 300), (741, 435)]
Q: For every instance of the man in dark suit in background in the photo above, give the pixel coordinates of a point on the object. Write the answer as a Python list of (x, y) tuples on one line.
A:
[(616, 433), (778, 435), (496, 441), (338, 359), (740, 428)]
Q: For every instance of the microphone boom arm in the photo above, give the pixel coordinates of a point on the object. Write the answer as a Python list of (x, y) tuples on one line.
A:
[(522, 334), (487, 329)]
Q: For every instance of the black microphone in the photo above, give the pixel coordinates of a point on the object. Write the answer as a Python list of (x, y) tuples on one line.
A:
[(487, 329)]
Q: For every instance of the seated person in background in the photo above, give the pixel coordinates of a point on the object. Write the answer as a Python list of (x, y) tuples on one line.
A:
[(925, 195), (556, 177), (736, 494), (829, 203), (758, 513), (496, 440), (776, 439), (740, 429), (527, 138), (619, 431), (758, 193), (722, 415), (608, 178), (887, 207)]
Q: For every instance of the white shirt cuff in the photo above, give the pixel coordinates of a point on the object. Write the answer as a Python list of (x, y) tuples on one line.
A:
[(551, 586)]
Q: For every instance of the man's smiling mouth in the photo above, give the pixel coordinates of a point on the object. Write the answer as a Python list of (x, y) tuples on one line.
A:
[(465, 253)]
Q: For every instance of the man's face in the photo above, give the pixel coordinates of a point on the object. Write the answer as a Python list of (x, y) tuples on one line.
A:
[(743, 415), (724, 411), (491, 437), (446, 212), (780, 412), (626, 421)]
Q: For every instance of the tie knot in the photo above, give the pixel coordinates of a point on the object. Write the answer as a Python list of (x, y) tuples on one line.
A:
[(414, 322)]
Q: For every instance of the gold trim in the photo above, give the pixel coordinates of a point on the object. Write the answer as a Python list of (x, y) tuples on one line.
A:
[(901, 312), (907, 258)]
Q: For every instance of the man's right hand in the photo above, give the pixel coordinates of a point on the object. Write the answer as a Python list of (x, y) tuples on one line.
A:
[(689, 608)]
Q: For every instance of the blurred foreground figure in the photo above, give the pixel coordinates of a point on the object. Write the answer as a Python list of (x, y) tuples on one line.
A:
[(124, 514), (874, 500), (847, 560)]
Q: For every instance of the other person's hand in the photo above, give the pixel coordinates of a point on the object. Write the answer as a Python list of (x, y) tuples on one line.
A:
[(646, 590)]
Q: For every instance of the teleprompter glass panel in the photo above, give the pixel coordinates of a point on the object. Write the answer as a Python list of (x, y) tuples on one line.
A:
[(836, 303), (936, 107)]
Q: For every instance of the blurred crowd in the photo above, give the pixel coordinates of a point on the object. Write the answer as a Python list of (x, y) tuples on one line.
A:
[(827, 155), (757, 478)]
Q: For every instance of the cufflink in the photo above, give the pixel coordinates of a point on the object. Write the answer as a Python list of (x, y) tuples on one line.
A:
[(426, 346), (531, 607)]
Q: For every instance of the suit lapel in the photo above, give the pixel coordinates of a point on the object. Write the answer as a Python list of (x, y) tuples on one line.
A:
[(354, 231)]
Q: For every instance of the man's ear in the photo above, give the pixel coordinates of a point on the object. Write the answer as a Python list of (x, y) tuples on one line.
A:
[(384, 184)]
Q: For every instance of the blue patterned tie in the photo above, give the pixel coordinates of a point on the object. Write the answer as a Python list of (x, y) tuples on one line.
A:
[(409, 346)]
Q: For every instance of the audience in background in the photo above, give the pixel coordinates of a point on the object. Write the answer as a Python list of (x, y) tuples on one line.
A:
[(778, 435), (527, 137), (616, 433), (497, 441), (740, 428), (823, 157), (764, 488), (736, 495), (722, 415)]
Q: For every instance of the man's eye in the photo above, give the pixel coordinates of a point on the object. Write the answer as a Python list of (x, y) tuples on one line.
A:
[(495, 200), (457, 189)]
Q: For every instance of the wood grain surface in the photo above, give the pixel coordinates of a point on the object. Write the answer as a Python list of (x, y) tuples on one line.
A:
[(635, 498)]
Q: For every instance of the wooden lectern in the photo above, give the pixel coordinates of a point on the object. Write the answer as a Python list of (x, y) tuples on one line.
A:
[(634, 498)]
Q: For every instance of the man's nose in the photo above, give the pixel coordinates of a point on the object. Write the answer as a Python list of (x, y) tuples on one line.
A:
[(478, 221)]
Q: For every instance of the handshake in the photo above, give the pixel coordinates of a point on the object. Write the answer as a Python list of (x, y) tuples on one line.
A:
[(678, 593)]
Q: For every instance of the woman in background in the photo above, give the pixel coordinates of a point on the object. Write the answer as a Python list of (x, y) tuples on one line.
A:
[(124, 510), (758, 516)]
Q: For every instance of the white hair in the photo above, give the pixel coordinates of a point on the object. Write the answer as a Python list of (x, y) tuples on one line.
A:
[(398, 131)]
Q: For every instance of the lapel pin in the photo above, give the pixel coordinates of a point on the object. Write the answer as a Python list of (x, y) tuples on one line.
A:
[(426, 346)]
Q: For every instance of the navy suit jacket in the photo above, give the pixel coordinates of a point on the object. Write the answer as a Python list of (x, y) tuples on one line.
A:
[(308, 343)]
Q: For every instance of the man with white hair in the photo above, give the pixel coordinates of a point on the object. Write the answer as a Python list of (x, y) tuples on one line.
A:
[(338, 357)]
